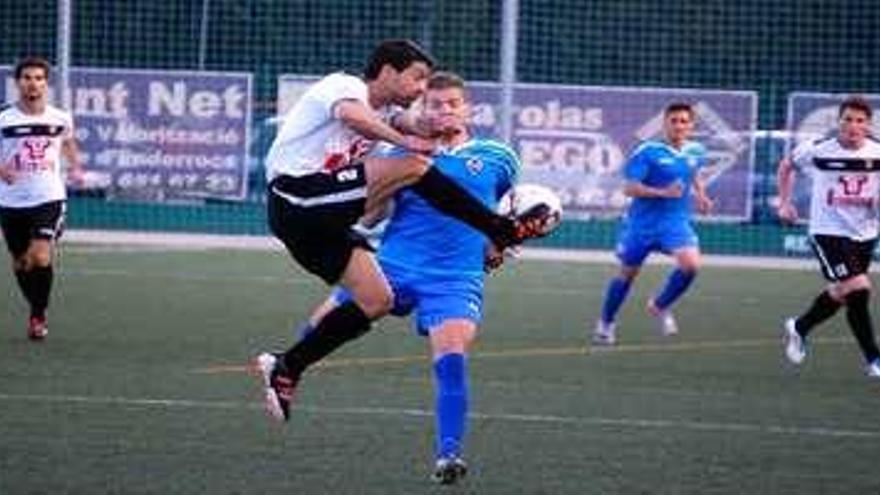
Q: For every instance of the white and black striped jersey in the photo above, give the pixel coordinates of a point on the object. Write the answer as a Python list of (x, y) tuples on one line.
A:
[(312, 139), (846, 187), (30, 145)]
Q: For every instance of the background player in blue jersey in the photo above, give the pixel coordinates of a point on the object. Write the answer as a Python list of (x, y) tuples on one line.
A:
[(435, 263), (662, 177)]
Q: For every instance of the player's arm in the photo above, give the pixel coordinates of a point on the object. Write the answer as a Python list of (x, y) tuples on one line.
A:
[(785, 179), (364, 120), (636, 189), (703, 202), (70, 152), (413, 122), (7, 172), (636, 170)]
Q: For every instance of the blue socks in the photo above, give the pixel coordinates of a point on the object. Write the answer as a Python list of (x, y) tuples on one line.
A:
[(615, 294), (452, 403), (677, 283)]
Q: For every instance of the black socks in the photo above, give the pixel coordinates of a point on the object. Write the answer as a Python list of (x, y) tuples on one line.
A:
[(36, 285), (346, 322), (859, 319), (447, 196), (823, 307)]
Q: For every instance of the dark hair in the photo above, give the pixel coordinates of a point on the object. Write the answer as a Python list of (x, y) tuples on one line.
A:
[(679, 106), (445, 80), (856, 103), (28, 62), (399, 54)]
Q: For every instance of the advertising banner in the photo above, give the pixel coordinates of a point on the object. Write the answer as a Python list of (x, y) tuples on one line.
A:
[(576, 139), (159, 135)]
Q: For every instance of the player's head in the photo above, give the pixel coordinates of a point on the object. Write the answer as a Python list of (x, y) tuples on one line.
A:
[(446, 107), (678, 122), (402, 68), (854, 120), (32, 78)]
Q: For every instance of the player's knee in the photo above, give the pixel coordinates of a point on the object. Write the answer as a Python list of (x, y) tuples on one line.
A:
[(689, 266), (453, 345), (628, 273), (855, 284), (414, 166), (40, 258), (376, 305), (452, 339)]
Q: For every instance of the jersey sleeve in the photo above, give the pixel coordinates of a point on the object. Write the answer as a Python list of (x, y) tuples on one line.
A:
[(3, 108), (701, 154), (636, 168), (508, 169), (802, 155), (68, 126), (339, 87)]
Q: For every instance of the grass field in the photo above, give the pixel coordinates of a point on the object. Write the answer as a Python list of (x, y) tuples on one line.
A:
[(140, 388)]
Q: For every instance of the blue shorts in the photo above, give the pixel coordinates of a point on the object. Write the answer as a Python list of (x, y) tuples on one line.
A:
[(432, 298), (635, 244)]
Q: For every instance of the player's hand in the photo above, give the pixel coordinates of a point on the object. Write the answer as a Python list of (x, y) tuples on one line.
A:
[(419, 144), (76, 176), (445, 125), (7, 174), (787, 212), (704, 204)]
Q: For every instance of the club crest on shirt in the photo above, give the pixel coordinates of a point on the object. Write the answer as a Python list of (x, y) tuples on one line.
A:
[(474, 165)]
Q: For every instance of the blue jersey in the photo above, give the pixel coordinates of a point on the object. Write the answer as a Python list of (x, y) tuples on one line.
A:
[(657, 164), (421, 238)]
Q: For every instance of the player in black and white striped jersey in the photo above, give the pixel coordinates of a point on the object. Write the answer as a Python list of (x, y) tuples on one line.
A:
[(34, 136), (843, 226)]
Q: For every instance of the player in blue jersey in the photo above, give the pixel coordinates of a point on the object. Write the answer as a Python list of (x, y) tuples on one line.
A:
[(323, 179), (435, 263), (662, 178)]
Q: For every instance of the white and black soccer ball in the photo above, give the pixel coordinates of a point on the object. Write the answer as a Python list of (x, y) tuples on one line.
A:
[(523, 197)]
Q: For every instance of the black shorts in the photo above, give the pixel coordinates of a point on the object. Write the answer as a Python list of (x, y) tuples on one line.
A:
[(21, 225), (313, 216), (842, 258)]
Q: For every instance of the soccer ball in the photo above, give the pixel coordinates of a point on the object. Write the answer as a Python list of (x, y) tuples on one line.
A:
[(523, 197)]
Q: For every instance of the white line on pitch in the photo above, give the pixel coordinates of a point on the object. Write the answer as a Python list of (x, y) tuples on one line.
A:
[(639, 423)]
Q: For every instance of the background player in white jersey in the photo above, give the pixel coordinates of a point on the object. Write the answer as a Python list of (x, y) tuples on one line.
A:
[(321, 181), (843, 226), (33, 137)]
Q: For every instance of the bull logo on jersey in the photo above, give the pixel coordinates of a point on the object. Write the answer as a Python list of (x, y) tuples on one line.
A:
[(36, 149), (852, 184)]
